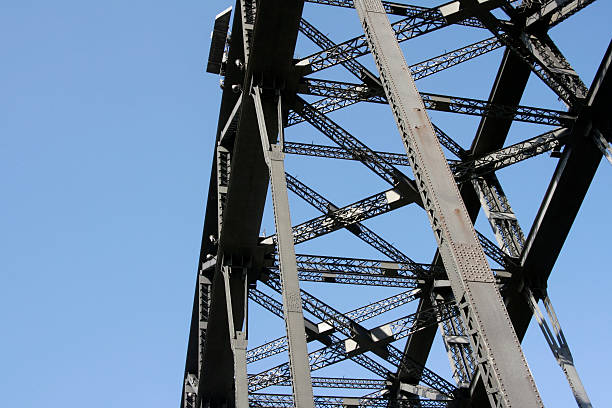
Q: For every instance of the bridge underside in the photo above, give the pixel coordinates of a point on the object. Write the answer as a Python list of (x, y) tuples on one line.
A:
[(481, 313)]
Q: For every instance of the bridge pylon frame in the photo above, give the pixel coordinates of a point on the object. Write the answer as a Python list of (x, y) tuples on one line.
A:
[(482, 313)]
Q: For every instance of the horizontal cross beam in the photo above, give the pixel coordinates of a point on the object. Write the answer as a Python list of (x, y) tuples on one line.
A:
[(337, 91), (286, 401)]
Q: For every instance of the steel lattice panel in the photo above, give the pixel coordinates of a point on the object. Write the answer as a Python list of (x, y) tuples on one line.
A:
[(272, 98)]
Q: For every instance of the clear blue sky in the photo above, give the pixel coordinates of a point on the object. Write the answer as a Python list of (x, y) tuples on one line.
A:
[(107, 121)]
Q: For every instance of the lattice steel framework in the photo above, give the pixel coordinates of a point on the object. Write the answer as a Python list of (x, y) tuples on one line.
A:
[(481, 313)]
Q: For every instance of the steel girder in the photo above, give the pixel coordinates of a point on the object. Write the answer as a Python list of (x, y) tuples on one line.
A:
[(260, 97), (360, 340), (280, 400), (490, 335), (423, 21), (463, 170), (353, 93)]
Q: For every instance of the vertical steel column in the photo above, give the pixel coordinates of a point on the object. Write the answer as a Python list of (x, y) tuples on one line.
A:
[(292, 301), (501, 362), (238, 338)]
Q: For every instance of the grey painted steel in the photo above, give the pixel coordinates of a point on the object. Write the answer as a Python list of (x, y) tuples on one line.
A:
[(559, 347), (215, 373), (238, 341), (541, 55), (197, 337), (285, 401), (359, 341), (351, 383), (338, 90), (333, 352), (463, 170), (362, 232), (203, 289), (405, 186), (507, 89), (248, 183), (553, 12), (423, 22), (603, 144), (292, 305), (350, 143), (454, 336), (565, 193), (510, 237), (501, 361), (345, 217), (358, 315), (419, 70), (498, 211), (337, 351), (247, 16), (190, 391), (217, 40), (510, 155)]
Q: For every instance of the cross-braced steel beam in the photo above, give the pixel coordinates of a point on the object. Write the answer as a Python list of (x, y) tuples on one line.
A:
[(481, 313)]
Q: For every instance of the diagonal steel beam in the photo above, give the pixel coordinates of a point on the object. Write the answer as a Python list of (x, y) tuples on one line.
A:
[(419, 70), (363, 232), (553, 12), (510, 238), (394, 8), (507, 89), (510, 155), (452, 58), (344, 217), (361, 340), (320, 39), (236, 121), (423, 22), (566, 192), (343, 138), (340, 153), (350, 216), (358, 315), (491, 162), (336, 351), (501, 362), (540, 54)]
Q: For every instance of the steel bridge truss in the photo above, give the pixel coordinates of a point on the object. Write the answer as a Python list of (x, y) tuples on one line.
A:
[(481, 313)]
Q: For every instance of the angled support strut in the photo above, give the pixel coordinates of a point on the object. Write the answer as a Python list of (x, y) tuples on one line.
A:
[(292, 304), (497, 350)]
